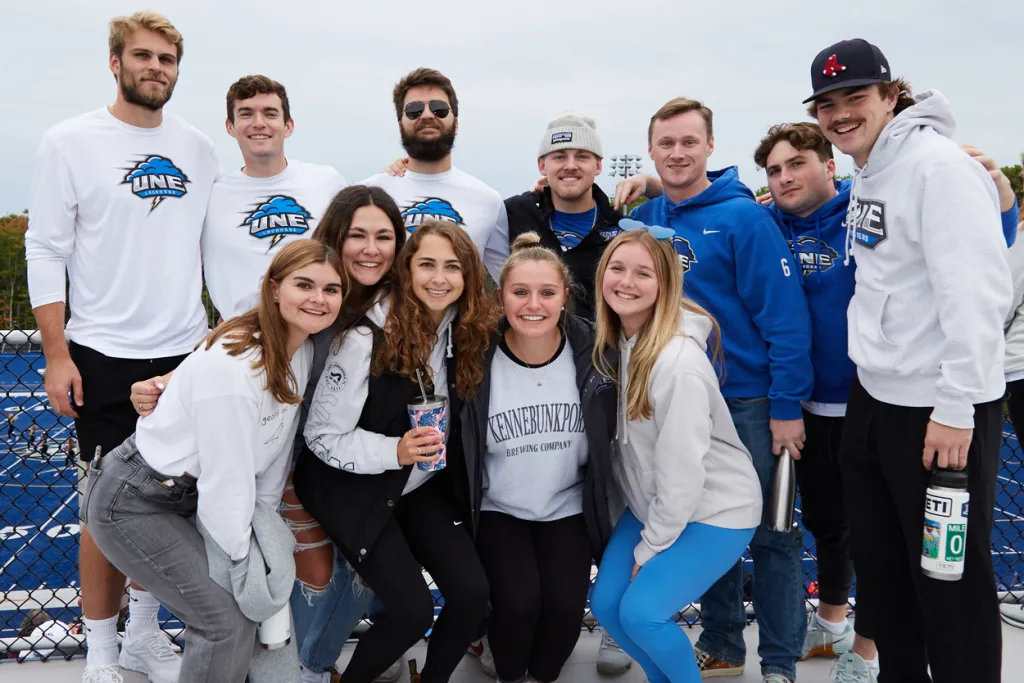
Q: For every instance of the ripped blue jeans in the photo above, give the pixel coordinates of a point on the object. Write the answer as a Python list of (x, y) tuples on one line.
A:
[(324, 620)]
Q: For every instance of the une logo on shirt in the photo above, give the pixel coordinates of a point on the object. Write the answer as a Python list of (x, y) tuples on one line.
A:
[(276, 217), (156, 178), (430, 209)]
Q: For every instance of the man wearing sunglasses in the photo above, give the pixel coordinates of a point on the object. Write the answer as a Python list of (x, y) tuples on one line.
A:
[(431, 188)]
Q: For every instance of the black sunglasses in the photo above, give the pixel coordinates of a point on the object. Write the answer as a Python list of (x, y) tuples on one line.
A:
[(438, 108)]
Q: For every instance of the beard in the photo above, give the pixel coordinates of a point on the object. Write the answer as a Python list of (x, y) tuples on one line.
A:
[(428, 150), (133, 95)]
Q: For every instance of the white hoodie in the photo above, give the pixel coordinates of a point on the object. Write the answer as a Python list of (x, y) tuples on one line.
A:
[(332, 430), (687, 464), (933, 284), (1014, 324)]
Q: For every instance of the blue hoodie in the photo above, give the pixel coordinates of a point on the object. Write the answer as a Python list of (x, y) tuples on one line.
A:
[(817, 242), (737, 265)]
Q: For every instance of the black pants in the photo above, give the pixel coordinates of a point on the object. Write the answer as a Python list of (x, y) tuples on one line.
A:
[(919, 621), (1015, 404), (108, 417), (823, 512), (539, 574), (426, 530)]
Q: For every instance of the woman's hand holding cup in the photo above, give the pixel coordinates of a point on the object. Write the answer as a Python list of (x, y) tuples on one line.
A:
[(419, 445)]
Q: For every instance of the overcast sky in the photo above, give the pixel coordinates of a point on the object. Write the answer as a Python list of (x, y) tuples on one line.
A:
[(514, 65)]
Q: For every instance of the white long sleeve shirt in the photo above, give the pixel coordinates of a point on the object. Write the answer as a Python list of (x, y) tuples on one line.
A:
[(218, 422), (121, 209), (455, 196), (250, 219)]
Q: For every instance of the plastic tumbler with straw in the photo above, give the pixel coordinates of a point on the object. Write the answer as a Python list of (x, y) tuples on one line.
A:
[(430, 411)]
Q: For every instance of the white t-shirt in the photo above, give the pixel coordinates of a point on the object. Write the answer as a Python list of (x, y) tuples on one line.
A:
[(454, 196), (248, 219), (121, 209), (218, 422)]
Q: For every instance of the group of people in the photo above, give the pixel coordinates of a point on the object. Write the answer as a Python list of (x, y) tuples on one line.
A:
[(620, 395)]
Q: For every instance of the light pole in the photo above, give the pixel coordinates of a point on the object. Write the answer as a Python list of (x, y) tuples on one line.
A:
[(624, 165)]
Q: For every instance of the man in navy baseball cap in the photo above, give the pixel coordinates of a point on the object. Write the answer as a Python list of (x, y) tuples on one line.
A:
[(848, 64)]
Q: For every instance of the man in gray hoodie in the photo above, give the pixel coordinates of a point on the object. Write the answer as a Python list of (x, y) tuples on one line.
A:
[(926, 334)]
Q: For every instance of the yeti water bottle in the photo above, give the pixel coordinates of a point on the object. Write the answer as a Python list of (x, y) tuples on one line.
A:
[(945, 525)]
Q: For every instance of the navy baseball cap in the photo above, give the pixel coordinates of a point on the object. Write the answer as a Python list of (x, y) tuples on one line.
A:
[(848, 64)]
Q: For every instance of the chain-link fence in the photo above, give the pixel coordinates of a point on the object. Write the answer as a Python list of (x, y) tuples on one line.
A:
[(39, 526)]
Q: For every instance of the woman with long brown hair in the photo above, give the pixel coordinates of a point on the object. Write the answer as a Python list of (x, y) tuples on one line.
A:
[(381, 490), (216, 448)]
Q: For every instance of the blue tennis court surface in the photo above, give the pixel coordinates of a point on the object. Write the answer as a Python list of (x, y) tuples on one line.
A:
[(39, 504)]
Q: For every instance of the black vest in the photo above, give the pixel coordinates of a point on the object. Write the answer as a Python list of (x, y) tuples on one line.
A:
[(354, 508)]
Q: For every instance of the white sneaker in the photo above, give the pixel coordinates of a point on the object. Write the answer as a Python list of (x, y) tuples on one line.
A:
[(151, 654), (820, 642), (102, 674), (1012, 615), (775, 678), (852, 668), (392, 673), (611, 659), (481, 649)]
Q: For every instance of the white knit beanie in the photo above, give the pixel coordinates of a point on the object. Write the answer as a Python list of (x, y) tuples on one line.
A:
[(571, 130)]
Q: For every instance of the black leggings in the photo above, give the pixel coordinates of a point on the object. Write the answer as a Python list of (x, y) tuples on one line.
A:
[(426, 530), (539, 574)]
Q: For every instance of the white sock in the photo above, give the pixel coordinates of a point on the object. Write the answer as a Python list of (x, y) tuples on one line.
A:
[(835, 627), (309, 676), (872, 664), (142, 612), (101, 640)]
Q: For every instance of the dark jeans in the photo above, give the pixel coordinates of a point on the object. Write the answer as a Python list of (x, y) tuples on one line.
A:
[(951, 626), (539, 573), (778, 579)]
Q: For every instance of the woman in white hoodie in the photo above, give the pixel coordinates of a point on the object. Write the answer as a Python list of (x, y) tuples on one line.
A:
[(692, 494)]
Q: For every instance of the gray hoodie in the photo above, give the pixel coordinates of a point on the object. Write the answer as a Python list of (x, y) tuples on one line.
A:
[(933, 285), (687, 464)]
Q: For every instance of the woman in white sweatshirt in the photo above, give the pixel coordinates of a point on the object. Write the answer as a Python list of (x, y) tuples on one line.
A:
[(218, 444), (692, 495), (359, 475)]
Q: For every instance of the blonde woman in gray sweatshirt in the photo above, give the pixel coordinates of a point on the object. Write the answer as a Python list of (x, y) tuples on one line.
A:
[(692, 494)]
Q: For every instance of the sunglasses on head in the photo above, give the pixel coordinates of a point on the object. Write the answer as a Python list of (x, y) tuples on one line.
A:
[(438, 108), (657, 232)]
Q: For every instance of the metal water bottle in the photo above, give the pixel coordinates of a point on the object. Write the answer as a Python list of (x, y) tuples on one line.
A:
[(943, 546), (782, 498)]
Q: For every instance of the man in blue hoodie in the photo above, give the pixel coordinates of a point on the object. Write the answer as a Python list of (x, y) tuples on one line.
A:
[(737, 265), (811, 205)]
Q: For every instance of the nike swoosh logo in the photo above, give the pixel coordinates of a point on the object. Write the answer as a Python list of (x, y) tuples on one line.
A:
[(710, 232), (457, 523)]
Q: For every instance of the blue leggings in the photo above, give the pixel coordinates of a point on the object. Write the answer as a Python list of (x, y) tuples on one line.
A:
[(639, 614)]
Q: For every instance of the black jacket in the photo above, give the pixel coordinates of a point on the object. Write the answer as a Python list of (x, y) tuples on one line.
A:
[(532, 211), (353, 508), (599, 399)]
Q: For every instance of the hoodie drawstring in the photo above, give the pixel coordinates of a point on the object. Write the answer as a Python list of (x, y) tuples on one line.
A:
[(851, 217), (449, 333)]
